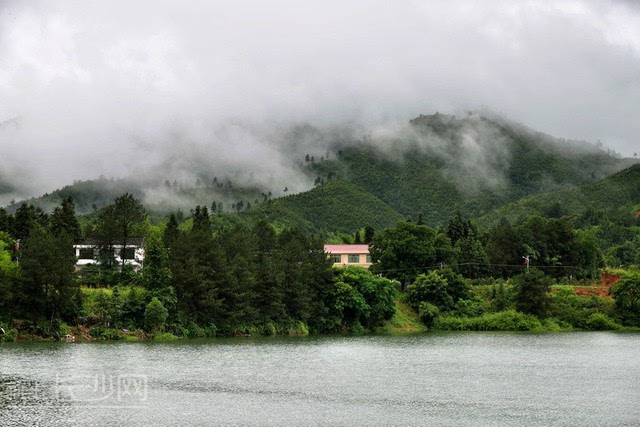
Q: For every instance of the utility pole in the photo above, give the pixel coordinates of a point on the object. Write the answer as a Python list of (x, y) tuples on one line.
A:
[(17, 250), (526, 262)]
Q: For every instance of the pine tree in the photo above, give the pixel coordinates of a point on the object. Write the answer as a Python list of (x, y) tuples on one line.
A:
[(270, 292), (128, 212), (156, 274), (107, 233), (201, 221), (63, 220), (294, 253), (6, 222), (24, 220), (368, 234), (171, 232), (47, 264)]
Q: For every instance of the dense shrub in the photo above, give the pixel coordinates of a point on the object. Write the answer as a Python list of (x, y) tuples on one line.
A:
[(357, 301), (431, 288), (469, 308), (627, 296), (502, 321), (575, 310), (155, 315), (532, 292), (601, 322), (428, 313), (10, 334)]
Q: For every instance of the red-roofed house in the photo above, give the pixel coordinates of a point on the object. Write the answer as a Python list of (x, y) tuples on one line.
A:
[(344, 255)]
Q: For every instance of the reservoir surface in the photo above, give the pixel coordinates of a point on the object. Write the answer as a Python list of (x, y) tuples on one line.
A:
[(580, 378)]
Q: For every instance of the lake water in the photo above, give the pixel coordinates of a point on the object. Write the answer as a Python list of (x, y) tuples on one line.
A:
[(427, 379)]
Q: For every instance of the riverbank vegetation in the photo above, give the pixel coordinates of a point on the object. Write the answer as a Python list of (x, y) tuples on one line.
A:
[(212, 279), (220, 274)]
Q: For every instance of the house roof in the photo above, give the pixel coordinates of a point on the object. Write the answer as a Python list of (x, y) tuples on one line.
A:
[(346, 249)]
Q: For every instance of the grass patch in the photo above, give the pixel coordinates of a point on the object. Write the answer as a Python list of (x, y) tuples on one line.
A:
[(165, 336), (509, 320), (404, 320)]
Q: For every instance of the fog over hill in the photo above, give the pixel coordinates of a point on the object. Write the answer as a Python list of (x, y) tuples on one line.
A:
[(153, 90), (430, 165)]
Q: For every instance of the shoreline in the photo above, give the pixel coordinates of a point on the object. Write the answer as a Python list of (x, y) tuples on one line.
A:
[(168, 337)]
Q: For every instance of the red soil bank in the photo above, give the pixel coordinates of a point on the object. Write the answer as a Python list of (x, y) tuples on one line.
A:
[(608, 280), (598, 289)]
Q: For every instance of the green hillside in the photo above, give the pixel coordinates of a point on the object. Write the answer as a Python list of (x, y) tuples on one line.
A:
[(510, 162), (335, 206), (621, 190)]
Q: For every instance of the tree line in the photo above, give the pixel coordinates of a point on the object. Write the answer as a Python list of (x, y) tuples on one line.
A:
[(206, 279)]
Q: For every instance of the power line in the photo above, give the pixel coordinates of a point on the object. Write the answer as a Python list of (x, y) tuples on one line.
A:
[(439, 266)]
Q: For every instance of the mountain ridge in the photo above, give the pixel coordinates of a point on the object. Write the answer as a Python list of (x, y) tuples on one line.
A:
[(434, 166)]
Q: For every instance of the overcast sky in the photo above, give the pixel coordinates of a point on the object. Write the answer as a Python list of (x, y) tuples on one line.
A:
[(90, 88)]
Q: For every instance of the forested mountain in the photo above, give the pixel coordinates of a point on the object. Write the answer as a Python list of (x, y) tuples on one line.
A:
[(620, 191), (433, 166), (472, 164)]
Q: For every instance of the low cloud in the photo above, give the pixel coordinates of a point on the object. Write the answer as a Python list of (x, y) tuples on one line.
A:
[(155, 89)]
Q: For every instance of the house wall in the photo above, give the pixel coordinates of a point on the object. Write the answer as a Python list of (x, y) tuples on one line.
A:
[(344, 260)]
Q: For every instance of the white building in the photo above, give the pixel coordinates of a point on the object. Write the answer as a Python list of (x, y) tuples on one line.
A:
[(88, 252)]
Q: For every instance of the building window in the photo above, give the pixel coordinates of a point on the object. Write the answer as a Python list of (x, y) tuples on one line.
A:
[(369, 259), (354, 258), (128, 253), (336, 259), (86, 253)]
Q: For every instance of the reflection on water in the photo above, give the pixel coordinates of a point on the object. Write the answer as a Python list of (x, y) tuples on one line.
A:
[(434, 379)]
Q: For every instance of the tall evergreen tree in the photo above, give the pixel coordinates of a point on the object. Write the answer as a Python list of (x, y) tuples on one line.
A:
[(294, 253), (47, 264), (171, 232), (24, 220), (6, 222), (368, 234), (107, 233), (270, 294), (155, 274), (128, 212), (63, 220), (201, 221)]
